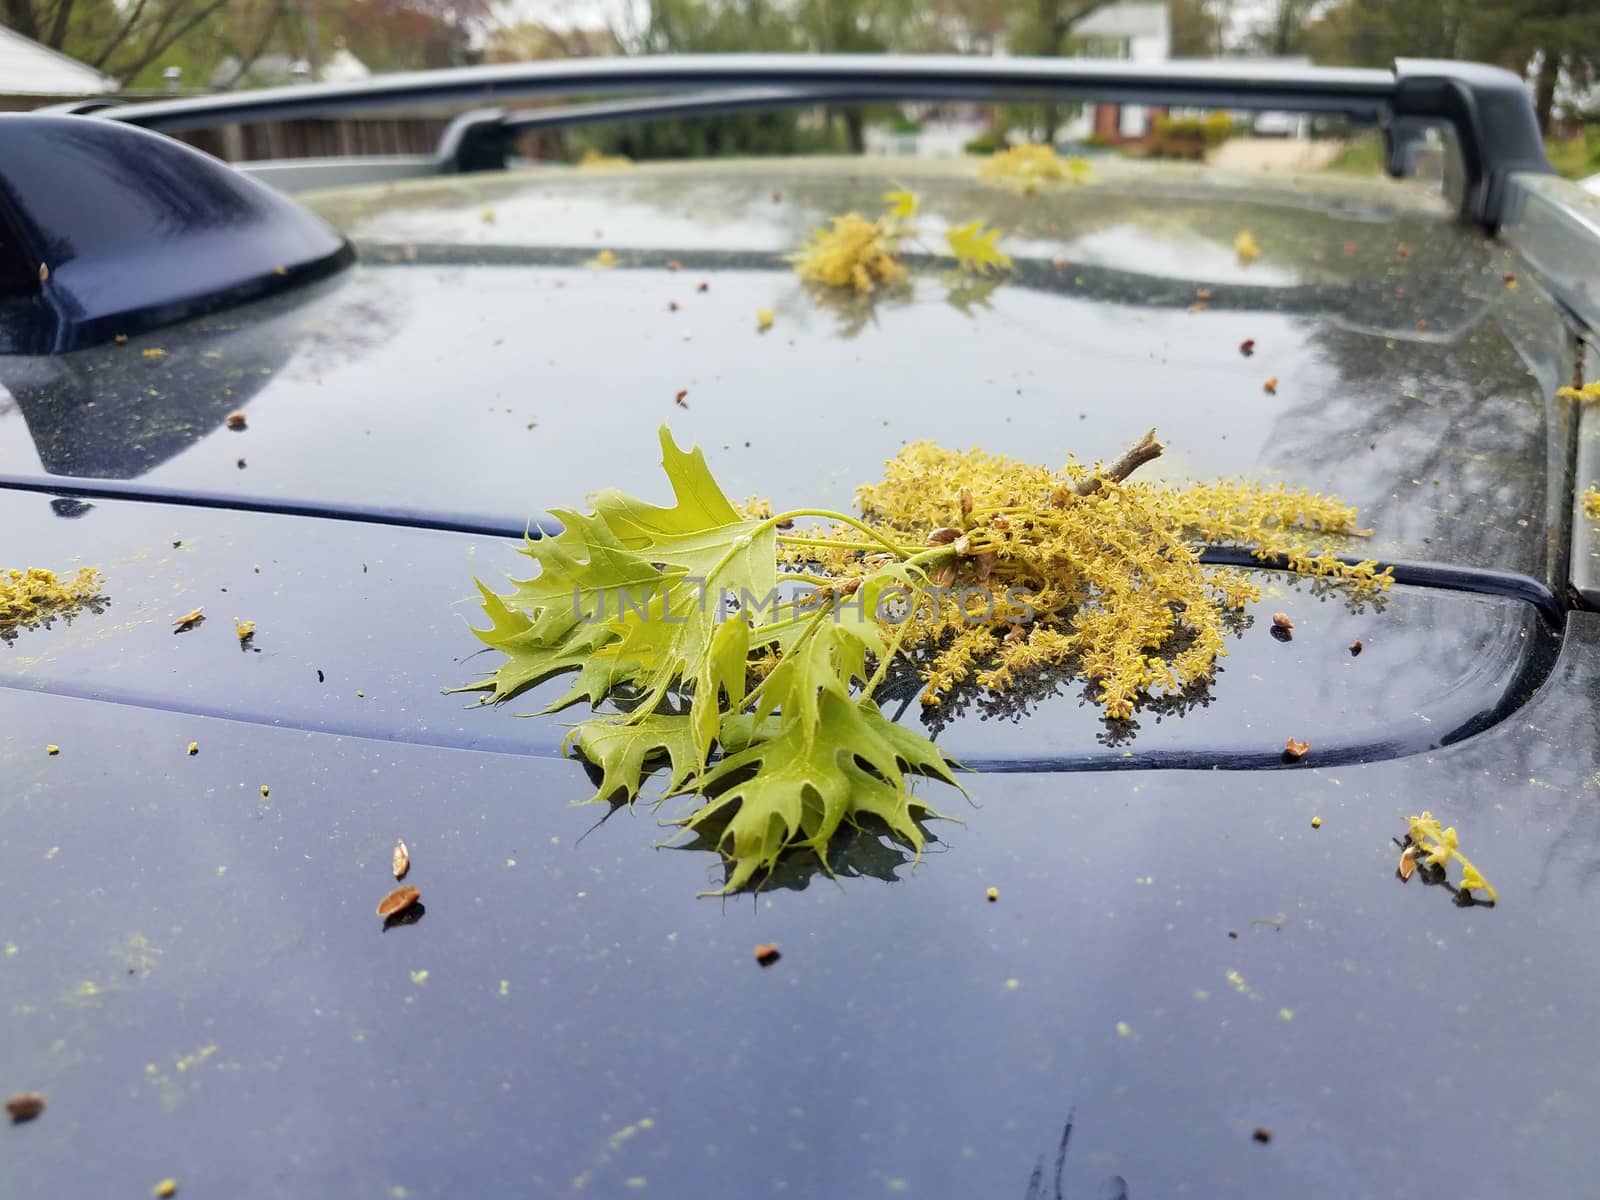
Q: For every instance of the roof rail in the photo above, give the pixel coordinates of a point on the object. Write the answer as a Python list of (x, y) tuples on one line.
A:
[(1488, 108)]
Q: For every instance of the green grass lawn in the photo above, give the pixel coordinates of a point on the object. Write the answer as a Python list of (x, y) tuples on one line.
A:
[(1364, 156)]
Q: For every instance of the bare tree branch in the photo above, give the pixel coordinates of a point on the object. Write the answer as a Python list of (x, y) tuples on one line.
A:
[(1063, 22), (161, 41), (120, 36), (248, 58), (19, 15)]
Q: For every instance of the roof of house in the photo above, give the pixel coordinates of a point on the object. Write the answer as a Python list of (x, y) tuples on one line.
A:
[(29, 69), (1126, 20), (277, 69)]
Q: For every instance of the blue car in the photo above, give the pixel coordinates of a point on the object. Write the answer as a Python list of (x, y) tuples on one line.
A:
[(263, 426)]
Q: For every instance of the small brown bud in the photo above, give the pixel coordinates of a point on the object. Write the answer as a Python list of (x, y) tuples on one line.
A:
[(943, 536), (398, 901), (24, 1106)]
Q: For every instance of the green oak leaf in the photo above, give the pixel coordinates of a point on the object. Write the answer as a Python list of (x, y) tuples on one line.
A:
[(629, 596), (621, 749), (832, 757)]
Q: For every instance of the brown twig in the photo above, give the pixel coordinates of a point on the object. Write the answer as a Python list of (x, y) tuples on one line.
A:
[(1134, 457)]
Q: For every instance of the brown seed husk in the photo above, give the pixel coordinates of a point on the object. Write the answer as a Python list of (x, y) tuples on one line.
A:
[(402, 860), (398, 901), (24, 1106), (767, 954)]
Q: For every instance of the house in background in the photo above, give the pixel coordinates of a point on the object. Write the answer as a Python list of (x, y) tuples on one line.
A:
[(276, 70), (32, 75), (1132, 32)]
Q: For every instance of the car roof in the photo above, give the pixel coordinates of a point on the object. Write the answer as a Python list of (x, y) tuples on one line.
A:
[(1399, 353), (477, 368), (1204, 977)]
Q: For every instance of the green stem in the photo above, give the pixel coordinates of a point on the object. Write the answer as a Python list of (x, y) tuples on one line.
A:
[(820, 543), (897, 551), (812, 620), (931, 555), (883, 666)]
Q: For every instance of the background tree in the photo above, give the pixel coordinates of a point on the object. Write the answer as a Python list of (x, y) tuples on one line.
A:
[(1044, 28), (407, 35), (1283, 32), (1552, 39), (1196, 28), (133, 41), (121, 39)]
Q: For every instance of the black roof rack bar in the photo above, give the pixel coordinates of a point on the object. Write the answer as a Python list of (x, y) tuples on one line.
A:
[(1240, 85), (693, 104), (480, 140), (1488, 108)]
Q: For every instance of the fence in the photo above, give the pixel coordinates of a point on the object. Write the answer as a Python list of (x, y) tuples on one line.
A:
[(389, 133)]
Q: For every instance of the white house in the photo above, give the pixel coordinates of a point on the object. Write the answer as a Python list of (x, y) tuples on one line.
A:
[(1134, 32), (29, 69)]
